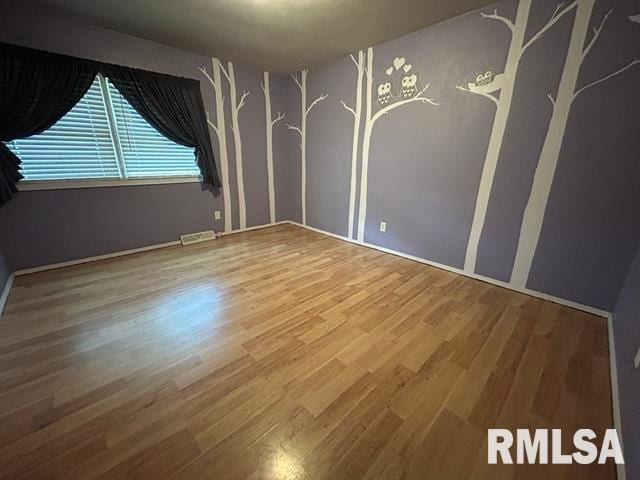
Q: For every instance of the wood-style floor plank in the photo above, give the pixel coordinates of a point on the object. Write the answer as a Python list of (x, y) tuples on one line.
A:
[(286, 354)]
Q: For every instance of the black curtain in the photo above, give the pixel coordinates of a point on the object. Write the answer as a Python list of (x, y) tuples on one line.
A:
[(36, 90), (174, 107)]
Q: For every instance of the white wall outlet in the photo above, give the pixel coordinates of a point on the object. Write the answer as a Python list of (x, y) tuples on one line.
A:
[(636, 361), (217, 215), (383, 226)]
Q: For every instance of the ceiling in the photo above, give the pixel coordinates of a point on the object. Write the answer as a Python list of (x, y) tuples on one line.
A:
[(277, 35)]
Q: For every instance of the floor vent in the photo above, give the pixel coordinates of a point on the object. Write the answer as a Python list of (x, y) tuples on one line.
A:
[(197, 237)]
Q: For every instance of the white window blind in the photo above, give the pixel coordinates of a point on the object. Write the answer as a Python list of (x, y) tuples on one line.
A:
[(78, 146), (145, 151), (102, 137)]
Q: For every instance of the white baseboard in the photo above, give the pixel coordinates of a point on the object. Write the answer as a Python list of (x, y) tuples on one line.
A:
[(256, 227), (5, 292), (526, 291), (615, 394), (106, 256)]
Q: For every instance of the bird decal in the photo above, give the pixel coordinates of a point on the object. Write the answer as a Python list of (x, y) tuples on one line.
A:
[(486, 83), (635, 18)]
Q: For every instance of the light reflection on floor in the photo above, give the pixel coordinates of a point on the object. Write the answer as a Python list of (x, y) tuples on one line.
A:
[(284, 466)]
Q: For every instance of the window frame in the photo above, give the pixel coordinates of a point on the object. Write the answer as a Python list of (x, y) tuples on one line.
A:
[(123, 181)]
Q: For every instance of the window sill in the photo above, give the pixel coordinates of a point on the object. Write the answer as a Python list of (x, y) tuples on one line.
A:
[(26, 185)]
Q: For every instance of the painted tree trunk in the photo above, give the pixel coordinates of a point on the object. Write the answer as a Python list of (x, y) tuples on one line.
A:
[(356, 138), (269, 127), (237, 140), (303, 146), (497, 134), (222, 144), (366, 144), (545, 171)]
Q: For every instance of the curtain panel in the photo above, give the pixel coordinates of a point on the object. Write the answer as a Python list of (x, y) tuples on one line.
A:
[(38, 88), (173, 106)]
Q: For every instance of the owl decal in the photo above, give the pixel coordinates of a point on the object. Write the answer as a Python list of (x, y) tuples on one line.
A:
[(409, 86), (402, 83), (384, 93)]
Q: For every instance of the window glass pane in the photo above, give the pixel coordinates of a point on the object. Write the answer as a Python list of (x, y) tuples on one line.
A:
[(77, 146), (146, 152)]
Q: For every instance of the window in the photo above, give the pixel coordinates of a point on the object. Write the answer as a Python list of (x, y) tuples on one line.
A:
[(102, 138), (78, 146), (145, 151)]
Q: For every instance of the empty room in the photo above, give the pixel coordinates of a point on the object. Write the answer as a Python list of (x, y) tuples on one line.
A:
[(320, 239)]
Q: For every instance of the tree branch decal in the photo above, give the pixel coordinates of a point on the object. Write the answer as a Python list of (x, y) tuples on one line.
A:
[(500, 18), (208, 77), (315, 102), (294, 128), (418, 98), (211, 124), (348, 108), (487, 95), (298, 82), (241, 103), (279, 116), (222, 69), (220, 130), (596, 34), (604, 79), (558, 13)]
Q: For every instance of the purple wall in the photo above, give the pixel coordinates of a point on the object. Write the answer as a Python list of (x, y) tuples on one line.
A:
[(626, 327), (39, 228), (426, 161), (45, 227)]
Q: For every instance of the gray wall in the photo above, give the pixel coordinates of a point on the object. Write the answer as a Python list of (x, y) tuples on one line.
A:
[(426, 161), (39, 228), (626, 327)]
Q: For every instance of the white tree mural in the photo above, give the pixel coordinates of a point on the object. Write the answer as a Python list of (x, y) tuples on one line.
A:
[(236, 106), (568, 92), (408, 91), (220, 130), (357, 115), (488, 85), (269, 124), (302, 131)]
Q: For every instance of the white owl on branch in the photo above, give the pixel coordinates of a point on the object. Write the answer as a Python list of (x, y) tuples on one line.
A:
[(403, 87)]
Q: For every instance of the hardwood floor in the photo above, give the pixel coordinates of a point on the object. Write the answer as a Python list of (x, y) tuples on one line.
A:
[(286, 354)]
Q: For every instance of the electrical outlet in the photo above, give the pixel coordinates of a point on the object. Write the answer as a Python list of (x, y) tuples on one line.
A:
[(383, 226), (636, 361), (217, 215)]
